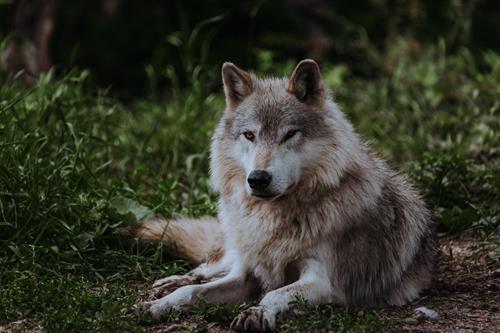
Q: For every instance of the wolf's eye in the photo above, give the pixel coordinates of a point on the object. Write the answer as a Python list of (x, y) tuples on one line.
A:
[(289, 135), (249, 136)]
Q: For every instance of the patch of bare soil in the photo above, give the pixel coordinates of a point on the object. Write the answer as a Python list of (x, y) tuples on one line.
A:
[(465, 294)]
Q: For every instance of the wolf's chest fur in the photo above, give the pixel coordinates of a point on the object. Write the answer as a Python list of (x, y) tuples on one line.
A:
[(268, 237)]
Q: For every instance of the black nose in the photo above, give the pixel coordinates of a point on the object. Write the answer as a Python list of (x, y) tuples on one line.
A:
[(259, 179)]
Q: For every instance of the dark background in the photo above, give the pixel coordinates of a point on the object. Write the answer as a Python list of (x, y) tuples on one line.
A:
[(117, 39)]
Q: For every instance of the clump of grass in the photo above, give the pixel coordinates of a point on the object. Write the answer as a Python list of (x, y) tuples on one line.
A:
[(220, 314), (327, 318), (464, 193), (67, 303)]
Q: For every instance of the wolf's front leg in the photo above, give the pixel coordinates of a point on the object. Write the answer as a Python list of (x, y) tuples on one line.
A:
[(204, 273), (313, 285), (233, 288)]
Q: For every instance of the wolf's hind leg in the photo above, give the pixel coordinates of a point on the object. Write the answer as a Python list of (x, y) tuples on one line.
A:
[(313, 286)]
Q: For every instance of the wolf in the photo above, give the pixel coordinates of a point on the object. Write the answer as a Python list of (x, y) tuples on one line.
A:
[(306, 211)]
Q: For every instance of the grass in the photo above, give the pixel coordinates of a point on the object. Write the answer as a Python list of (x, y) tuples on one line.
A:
[(328, 318), (75, 164)]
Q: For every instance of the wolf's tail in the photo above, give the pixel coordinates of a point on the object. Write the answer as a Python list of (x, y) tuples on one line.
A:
[(190, 239)]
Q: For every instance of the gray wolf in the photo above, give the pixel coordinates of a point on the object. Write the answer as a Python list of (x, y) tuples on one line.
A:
[(307, 210)]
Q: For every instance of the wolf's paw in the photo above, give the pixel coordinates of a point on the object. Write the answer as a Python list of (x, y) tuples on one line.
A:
[(155, 309), (254, 319), (169, 284), (141, 308), (176, 300)]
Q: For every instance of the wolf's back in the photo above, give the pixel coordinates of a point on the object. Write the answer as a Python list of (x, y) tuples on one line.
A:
[(186, 238)]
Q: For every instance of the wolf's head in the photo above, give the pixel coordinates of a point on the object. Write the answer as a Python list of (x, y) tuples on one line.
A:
[(277, 133)]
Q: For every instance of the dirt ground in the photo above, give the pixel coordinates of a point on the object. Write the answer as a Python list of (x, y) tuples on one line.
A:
[(465, 292)]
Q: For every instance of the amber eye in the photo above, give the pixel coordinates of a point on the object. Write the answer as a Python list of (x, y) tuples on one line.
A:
[(249, 136), (289, 135)]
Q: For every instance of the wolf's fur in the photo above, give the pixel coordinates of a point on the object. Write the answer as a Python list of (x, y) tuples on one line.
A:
[(335, 223)]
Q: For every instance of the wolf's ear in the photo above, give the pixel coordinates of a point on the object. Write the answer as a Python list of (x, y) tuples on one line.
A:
[(306, 82), (237, 84)]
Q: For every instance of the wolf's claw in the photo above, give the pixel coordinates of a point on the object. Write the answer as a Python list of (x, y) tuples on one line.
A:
[(155, 308), (141, 308), (254, 319)]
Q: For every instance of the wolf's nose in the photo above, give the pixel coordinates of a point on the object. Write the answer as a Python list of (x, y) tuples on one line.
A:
[(259, 179)]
